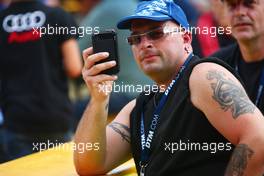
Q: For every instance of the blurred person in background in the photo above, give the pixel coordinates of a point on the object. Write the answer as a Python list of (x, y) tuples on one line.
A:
[(2, 143), (4, 4), (214, 19), (34, 69), (105, 15), (246, 17)]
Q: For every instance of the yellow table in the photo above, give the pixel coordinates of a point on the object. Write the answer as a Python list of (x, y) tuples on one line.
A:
[(54, 162)]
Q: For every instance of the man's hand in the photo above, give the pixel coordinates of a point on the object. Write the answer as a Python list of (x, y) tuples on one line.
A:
[(99, 85)]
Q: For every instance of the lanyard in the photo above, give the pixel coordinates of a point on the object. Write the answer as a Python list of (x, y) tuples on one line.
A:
[(146, 142), (260, 87)]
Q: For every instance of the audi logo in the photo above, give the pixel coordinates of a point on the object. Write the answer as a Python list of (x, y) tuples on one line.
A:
[(24, 22)]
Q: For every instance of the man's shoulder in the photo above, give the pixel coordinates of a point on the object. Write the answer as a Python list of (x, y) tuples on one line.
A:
[(211, 60), (207, 63), (226, 52)]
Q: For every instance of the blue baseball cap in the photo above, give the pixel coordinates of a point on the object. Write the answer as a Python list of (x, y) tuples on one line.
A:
[(156, 10)]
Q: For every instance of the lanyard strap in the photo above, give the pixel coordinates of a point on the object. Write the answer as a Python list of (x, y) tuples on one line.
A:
[(146, 142), (260, 87)]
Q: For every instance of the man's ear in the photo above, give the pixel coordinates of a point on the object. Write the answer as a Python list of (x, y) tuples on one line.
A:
[(187, 37)]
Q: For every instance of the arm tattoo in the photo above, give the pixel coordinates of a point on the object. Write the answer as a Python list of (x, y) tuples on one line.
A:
[(239, 160), (121, 129), (229, 95)]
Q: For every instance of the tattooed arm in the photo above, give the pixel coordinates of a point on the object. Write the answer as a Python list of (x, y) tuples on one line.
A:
[(220, 96), (113, 140), (122, 130)]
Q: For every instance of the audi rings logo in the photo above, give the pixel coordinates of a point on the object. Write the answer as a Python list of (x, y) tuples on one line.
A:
[(24, 22)]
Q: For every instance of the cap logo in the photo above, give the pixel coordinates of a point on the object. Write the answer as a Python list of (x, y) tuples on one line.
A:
[(158, 5), (156, 10)]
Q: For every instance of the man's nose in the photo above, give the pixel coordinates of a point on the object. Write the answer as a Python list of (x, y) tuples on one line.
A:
[(145, 42), (240, 10)]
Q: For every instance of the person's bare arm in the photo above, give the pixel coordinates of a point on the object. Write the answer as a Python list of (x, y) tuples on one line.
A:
[(220, 96), (71, 58), (114, 139)]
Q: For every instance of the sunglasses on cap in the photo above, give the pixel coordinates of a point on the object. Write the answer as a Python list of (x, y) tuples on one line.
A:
[(154, 34)]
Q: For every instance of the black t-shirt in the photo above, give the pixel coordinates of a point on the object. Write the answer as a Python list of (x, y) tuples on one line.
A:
[(250, 72), (34, 88), (199, 148)]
